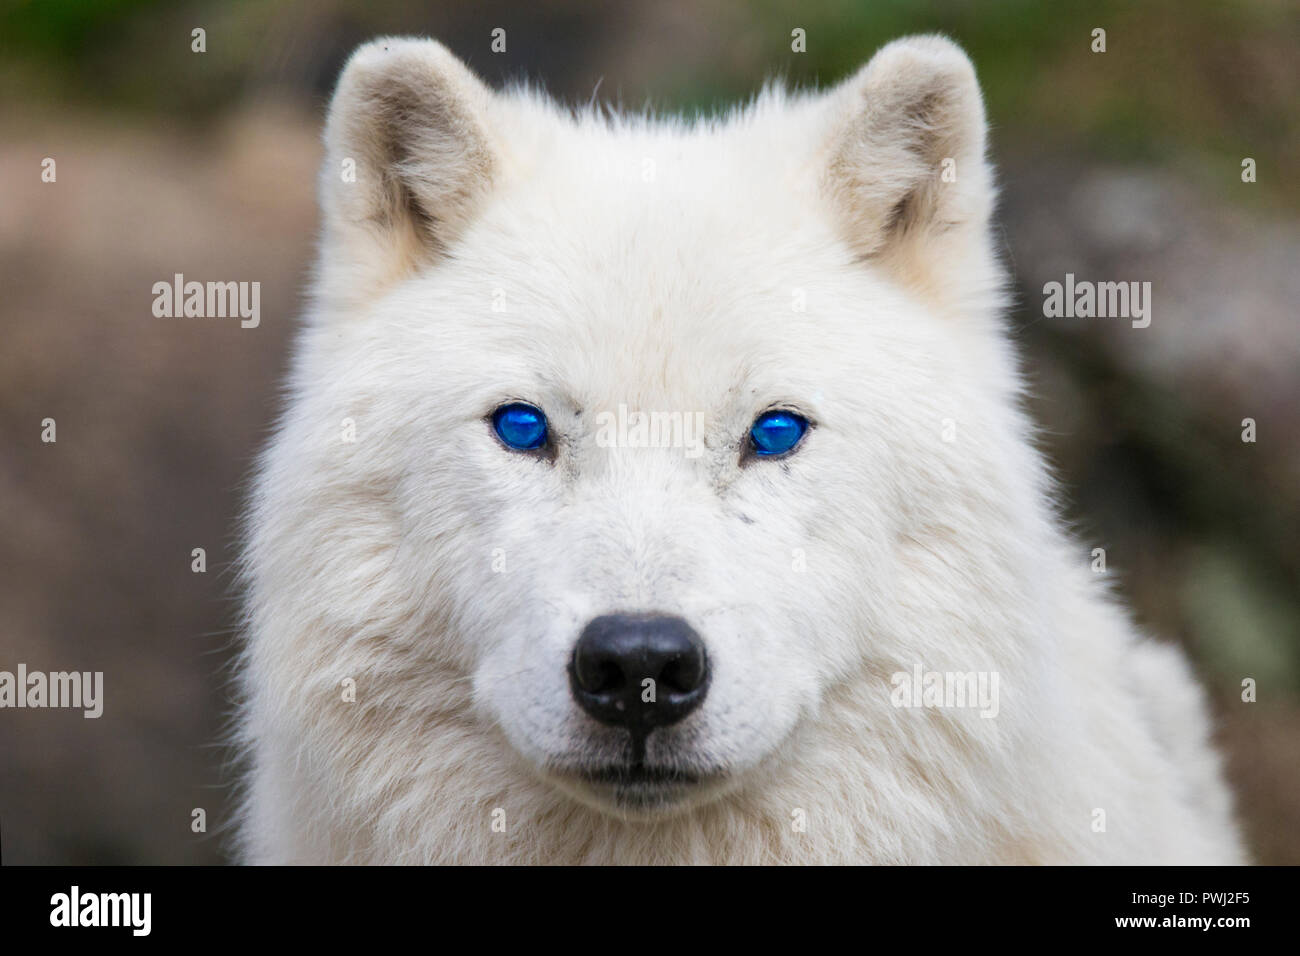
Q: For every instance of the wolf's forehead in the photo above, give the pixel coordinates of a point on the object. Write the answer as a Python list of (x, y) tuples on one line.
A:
[(637, 289), (644, 263), (645, 292), (662, 181), (636, 235)]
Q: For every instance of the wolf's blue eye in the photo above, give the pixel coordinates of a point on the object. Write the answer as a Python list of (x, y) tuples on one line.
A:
[(520, 426), (776, 432)]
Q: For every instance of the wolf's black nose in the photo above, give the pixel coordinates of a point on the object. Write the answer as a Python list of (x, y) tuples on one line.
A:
[(639, 671)]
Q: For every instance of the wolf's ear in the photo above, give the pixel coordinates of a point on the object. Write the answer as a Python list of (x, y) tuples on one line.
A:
[(907, 157), (408, 157)]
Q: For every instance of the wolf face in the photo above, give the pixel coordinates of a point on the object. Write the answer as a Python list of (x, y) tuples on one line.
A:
[(467, 513)]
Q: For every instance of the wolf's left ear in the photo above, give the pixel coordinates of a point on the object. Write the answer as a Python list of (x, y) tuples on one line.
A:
[(408, 159), (907, 163)]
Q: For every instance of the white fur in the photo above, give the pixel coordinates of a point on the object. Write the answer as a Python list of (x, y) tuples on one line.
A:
[(373, 560)]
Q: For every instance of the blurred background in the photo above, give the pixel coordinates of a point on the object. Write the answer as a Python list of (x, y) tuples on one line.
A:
[(1123, 165)]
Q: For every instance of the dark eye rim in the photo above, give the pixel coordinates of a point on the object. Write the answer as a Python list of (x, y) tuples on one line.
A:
[(545, 451), (749, 451)]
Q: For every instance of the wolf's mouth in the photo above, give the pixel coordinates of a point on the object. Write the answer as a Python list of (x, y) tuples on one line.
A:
[(636, 788), (639, 775)]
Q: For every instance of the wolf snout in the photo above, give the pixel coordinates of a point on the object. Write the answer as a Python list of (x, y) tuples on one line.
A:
[(639, 671)]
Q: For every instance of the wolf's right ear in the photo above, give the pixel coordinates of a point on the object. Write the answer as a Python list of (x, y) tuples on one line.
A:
[(408, 159)]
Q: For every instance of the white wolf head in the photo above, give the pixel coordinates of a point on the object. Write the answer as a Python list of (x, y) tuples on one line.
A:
[(626, 458)]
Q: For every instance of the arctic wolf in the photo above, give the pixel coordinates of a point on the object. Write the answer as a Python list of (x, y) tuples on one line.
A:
[(847, 627)]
